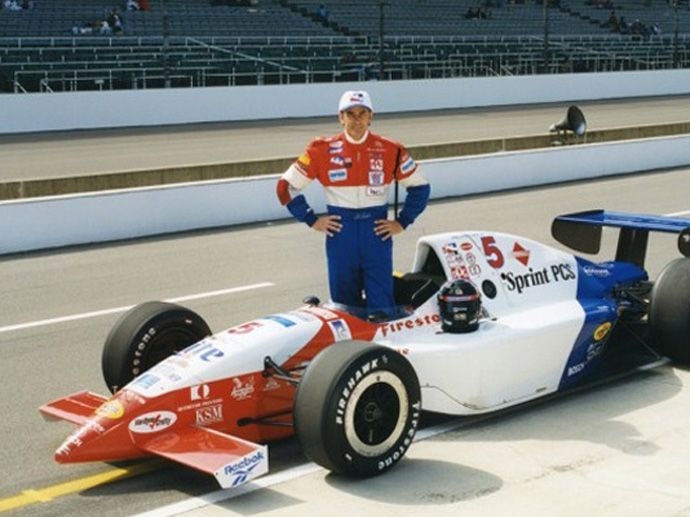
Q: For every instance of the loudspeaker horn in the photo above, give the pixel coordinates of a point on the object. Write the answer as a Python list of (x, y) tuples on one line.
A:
[(574, 121)]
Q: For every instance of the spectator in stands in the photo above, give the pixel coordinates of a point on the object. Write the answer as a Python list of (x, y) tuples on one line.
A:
[(471, 13), (322, 13), (87, 28), (105, 29), (623, 26), (635, 26), (144, 5), (115, 21), (356, 169), (133, 5), (482, 12), (611, 22), (12, 5)]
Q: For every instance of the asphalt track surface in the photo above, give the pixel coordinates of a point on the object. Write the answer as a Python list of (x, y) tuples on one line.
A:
[(617, 450), (77, 153)]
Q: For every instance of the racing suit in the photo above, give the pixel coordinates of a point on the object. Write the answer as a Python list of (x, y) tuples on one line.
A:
[(356, 177)]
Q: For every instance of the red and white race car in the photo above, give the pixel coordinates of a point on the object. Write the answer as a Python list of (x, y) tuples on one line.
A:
[(353, 389)]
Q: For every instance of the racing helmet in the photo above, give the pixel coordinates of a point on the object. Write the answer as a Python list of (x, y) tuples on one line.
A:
[(460, 306)]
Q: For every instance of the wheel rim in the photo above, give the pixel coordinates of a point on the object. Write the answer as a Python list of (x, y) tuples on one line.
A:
[(376, 414)]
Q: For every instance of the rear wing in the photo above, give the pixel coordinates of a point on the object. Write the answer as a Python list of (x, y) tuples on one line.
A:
[(582, 231)]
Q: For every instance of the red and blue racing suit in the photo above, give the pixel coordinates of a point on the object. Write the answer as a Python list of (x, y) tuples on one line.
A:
[(356, 177)]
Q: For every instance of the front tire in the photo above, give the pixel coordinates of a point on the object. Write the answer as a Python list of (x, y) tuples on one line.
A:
[(144, 336), (669, 313), (357, 408)]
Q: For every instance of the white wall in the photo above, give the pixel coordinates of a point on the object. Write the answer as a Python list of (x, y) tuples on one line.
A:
[(41, 223), (83, 110)]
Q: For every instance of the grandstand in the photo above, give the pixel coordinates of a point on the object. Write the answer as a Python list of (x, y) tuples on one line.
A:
[(195, 43)]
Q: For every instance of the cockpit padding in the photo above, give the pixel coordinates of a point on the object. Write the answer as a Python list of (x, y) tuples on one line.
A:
[(416, 288), (433, 267)]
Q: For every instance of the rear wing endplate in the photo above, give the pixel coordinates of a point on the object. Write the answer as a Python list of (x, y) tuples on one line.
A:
[(582, 231)]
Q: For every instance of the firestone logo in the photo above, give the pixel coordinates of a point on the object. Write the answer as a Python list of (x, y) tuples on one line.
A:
[(410, 324)]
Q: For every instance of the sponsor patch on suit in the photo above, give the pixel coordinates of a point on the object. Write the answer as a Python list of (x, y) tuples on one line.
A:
[(337, 175)]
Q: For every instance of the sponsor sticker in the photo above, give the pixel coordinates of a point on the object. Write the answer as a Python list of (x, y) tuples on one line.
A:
[(199, 392), (198, 404), (340, 330), (408, 165), (271, 384), (376, 191), (246, 468), (282, 320), (204, 350), (409, 324), (337, 175), (376, 178), (595, 271), (521, 254), (146, 381), (152, 422), (209, 415), (242, 390), (602, 331), (538, 277), (112, 409)]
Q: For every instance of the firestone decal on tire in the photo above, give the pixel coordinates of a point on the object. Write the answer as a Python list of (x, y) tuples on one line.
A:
[(402, 448)]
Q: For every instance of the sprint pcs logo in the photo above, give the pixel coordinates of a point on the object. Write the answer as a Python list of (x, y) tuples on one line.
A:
[(538, 277), (246, 468)]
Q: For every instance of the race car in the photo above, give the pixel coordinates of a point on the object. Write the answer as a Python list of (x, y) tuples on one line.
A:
[(486, 321)]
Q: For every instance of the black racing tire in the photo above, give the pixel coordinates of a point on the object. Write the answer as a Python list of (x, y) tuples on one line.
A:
[(357, 408), (144, 336), (669, 312)]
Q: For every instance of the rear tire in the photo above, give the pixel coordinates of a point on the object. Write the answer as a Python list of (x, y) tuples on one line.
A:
[(669, 313), (357, 408), (144, 336)]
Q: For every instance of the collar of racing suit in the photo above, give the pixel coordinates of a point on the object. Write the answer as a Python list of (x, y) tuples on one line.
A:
[(353, 141)]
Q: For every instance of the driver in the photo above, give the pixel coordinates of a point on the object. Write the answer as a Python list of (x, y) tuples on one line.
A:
[(356, 169)]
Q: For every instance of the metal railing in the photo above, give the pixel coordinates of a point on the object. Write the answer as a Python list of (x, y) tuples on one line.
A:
[(195, 62)]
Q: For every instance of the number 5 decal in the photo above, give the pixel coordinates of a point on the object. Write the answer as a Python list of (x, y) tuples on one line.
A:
[(245, 328), (493, 254)]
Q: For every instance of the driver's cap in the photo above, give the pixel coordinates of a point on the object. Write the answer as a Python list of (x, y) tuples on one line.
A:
[(355, 98)]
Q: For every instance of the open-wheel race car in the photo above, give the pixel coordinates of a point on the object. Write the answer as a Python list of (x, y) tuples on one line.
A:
[(486, 321)]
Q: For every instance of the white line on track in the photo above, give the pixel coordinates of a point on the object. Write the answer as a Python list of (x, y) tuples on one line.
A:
[(115, 310)]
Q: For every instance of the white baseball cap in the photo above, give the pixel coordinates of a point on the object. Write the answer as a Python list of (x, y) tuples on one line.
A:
[(354, 98)]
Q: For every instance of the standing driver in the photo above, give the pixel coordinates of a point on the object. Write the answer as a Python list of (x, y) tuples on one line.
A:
[(356, 169)]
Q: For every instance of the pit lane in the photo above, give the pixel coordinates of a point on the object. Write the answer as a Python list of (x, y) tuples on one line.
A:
[(588, 452)]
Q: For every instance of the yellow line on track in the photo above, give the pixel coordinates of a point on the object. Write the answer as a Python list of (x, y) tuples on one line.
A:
[(49, 493)]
